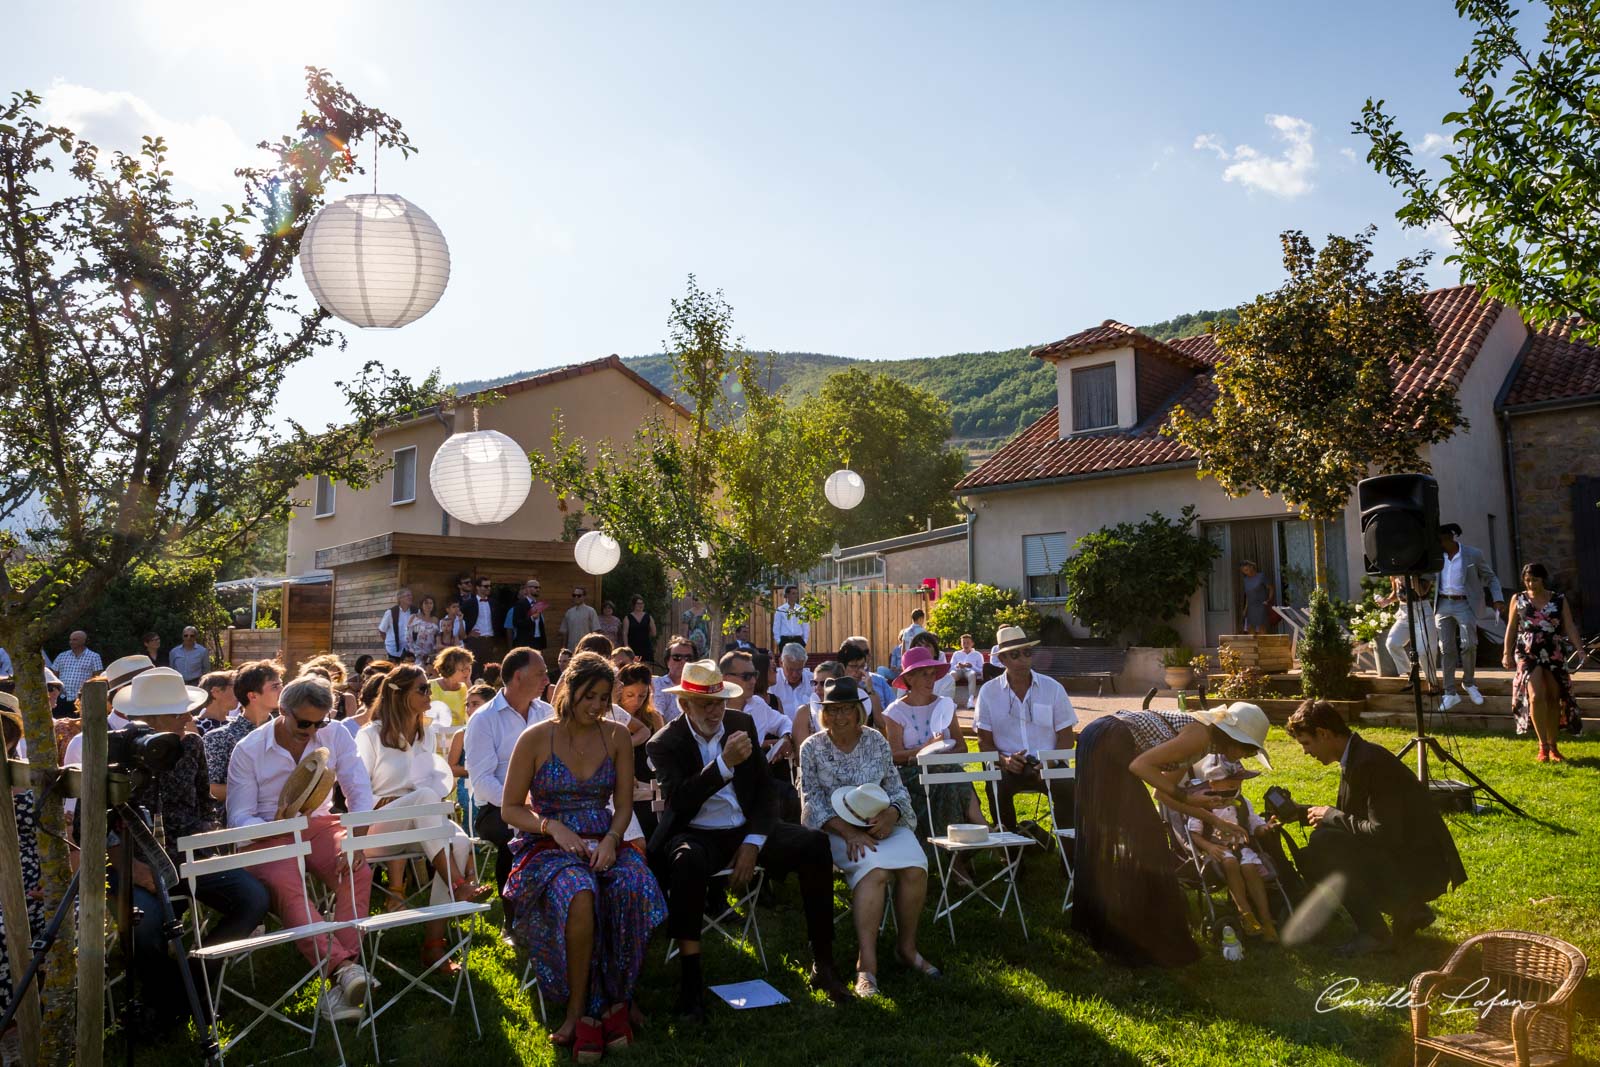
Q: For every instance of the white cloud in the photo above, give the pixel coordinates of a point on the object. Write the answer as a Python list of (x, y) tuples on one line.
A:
[(202, 151), (1287, 175), (1434, 144), (1350, 154)]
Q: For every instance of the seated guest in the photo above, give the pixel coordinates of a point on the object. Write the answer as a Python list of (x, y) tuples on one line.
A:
[(1242, 867), (853, 658), (595, 642), (1384, 833), (454, 667), (623, 656), (806, 719), (792, 686), (491, 737), (585, 905), (220, 705), (966, 668), (852, 790), (257, 687), (400, 749), (1021, 713), (680, 650), (634, 692), (774, 731), (258, 769), (740, 641), (477, 697), (914, 722), (182, 795), (366, 704), (721, 811)]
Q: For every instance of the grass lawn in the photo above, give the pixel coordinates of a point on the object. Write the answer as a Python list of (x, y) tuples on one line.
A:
[(1049, 999)]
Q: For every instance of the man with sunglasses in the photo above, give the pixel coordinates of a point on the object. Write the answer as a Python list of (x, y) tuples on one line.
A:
[(680, 650), (525, 621), (1020, 713), (477, 620), (581, 619)]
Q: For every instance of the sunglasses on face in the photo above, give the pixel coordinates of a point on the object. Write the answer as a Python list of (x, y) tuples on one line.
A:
[(746, 675), (1018, 654), (310, 724), (425, 689), (679, 656)]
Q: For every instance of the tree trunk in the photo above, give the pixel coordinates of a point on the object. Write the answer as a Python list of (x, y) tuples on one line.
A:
[(1319, 554)]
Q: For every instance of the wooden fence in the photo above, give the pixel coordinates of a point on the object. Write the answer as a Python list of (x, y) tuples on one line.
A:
[(242, 646), (876, 614)]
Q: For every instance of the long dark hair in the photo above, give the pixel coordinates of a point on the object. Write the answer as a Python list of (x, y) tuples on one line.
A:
[(639, 674), (392, 713), (582, 671)]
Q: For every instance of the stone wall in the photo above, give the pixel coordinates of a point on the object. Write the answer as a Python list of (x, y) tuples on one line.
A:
[(1549, 451)]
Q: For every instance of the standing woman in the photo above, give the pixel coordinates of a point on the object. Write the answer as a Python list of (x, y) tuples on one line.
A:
[(585, 905), (1127, 900), (424, 636), (639, 629), (611, 623), (1257, 598), (1539, 626)]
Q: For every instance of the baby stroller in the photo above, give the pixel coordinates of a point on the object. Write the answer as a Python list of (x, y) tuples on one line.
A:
[(1200, 874)]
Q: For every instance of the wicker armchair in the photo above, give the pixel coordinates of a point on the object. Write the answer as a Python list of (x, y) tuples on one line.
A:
[(1535, 974)]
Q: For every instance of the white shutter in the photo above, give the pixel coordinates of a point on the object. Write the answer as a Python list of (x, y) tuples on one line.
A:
[(1044, 553)]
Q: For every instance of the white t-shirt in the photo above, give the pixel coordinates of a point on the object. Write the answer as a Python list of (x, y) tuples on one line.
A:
[(1028, 724), (972, 661)]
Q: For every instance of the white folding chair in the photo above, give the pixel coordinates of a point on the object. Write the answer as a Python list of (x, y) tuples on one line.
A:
[(373, 927), (735, 928), (1009, 845), (226, 953), (1056, 765)]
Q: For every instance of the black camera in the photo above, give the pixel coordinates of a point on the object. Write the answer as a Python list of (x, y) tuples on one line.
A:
[(141, 753), (1279, 802)]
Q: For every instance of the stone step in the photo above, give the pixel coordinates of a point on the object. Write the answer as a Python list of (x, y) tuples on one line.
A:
[(1493, 704), (1455, 720), (1584, 684)]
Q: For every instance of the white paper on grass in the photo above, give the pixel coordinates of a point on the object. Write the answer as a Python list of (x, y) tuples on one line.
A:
[(756, 994)]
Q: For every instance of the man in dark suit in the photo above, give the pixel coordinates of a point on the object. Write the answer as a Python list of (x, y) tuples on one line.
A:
[(478, 627), (722, 811), (1384, 835), (527, 618)]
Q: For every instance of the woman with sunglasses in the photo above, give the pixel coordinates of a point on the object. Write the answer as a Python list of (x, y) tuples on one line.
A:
[(401, 751)]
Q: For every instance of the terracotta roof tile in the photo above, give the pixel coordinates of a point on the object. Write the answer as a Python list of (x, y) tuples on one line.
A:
[(1555, 366), (1461, 321), (1111, 334)]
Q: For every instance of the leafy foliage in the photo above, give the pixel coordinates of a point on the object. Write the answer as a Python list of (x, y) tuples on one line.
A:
[(161, 596), (1235, 681), (1518, 199), (1127, 577), (1195, 322), (1306, 403), (1325, 654), (1024, 615), (970, 608)]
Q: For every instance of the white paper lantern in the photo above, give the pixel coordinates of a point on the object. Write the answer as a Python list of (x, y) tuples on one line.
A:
[(480, 477), (702, 549), (844, 489), (375, 260), (597, 553)]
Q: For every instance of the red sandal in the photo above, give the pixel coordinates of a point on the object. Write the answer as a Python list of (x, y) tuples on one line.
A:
[(588, 1041), (617, 1026)]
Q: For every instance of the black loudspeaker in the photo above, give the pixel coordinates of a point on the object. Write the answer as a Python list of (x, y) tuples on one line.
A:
[(1400, 524)]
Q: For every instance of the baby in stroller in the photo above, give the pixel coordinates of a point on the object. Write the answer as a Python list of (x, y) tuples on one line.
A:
[(1243, 868)]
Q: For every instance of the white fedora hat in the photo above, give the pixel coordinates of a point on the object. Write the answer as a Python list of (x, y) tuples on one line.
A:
[(124, 670), (157, 691), (859, 803), (1245, 723), (1008, 638), (702, 679)]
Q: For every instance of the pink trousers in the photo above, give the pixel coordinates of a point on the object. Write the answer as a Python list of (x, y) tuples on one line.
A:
[(289, 897)]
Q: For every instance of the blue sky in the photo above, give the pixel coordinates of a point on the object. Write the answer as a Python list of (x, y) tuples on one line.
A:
[(879, 180)]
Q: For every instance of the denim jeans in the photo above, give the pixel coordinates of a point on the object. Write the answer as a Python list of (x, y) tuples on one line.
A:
[(241, 903), (1458, 636)]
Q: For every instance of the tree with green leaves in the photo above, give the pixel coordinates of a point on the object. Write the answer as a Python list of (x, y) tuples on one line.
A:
[(1519, 196), (146, 342), (1129, 577), (1306, 403)]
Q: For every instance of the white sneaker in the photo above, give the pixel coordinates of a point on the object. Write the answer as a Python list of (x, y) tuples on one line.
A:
[(336, 1009), (1451, 700), (352, 981), (1472, 692)]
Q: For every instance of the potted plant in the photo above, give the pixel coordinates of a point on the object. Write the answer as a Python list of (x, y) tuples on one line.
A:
[(1176, 667)]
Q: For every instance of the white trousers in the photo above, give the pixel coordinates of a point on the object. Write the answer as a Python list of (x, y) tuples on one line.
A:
[(450, 836), (1427, 644)]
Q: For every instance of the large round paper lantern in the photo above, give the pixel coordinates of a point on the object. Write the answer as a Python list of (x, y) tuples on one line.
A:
[(375, 259), (480, 477), (844, 489), (597, 553)]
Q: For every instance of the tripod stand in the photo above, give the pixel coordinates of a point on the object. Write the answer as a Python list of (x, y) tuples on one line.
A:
[(1423, 742)]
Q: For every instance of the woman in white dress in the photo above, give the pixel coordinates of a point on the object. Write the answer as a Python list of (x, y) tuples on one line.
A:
[(850, 788), (400, 748)]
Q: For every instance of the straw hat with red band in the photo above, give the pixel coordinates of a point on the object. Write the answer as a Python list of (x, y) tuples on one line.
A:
[(702, 679), (918, 659)]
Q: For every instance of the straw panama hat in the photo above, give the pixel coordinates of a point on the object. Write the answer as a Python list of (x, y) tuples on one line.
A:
[(157, 691), (702, 679), (858, 804), (1243, 722), (1009, 638), (124, 670), (307, 786), (11, 708)]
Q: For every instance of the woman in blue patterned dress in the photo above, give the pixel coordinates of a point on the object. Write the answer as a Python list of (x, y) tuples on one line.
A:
[(585, 903)]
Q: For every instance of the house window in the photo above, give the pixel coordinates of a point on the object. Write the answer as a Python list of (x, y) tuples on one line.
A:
[(324, 502), (854, 570), (1094, 397), (403, 490), (1042, 557)]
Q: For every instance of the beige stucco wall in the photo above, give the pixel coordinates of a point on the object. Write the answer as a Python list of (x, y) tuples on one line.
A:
[(909, 566), (605, 404)]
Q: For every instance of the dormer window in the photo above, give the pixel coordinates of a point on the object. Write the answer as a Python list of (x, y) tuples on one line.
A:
[(1094, 397)]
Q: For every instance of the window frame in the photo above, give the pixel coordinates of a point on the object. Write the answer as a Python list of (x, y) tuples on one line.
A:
[(316, 497), (1060, 594), (394, 470), (1116, 405)]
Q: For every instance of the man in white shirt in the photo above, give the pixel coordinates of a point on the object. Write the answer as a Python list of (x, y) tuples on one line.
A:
[(966, 668), (787, 625), (680, 650), (1020, 714), (478, 613), (395, 626), (1457, 608), (257, 772), (793, 687), (721, 811), (580, 620), (492, 734)]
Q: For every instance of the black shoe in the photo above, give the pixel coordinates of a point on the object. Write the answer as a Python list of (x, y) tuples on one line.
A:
[(1363, 944), (825, 979), (1417, 917), (691, 1006)]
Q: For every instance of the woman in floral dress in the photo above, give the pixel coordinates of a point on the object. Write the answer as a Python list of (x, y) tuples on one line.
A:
[(584, 903), (424, 637), (27, 831), (1539, 635)]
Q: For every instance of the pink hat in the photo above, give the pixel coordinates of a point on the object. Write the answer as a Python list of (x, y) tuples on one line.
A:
[(916, 659)]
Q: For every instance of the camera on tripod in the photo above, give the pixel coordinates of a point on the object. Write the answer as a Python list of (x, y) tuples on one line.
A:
[(139, 755)]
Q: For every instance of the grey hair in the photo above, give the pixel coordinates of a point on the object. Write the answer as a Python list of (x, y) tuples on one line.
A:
[(307, 689), (792, 653)]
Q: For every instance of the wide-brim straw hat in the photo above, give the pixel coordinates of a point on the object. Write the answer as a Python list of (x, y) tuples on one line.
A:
[(307, 786), (858, 804), (123, 671), (11, 711), (1010, 638), (157, 691), (1245, 723), (702, 678), (918, 659)]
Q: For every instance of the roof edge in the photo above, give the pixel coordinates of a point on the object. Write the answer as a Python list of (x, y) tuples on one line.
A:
[(1034, 483)]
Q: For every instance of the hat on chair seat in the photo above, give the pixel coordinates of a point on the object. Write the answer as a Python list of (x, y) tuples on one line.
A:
[(307, 786)]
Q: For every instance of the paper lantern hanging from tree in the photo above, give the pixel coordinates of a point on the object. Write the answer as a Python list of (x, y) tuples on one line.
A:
[(597, 553), (844, 489), (480, 477), (375, 260)]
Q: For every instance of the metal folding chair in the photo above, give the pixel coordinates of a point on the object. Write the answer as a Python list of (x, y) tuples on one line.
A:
[(225, 954), (735, 928), (1009, 845), (373, 927), (1055, 765)]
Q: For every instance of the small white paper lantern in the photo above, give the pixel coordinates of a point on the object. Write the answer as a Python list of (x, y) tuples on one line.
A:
[(375, 259), (702, 549), (844, 489), (597, 553), (480, 477)]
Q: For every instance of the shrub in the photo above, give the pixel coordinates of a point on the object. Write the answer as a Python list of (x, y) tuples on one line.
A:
[(971, 608), (1024, 615), (1239, 682), (1325, 654), (1128, 577), (1178, 656)]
